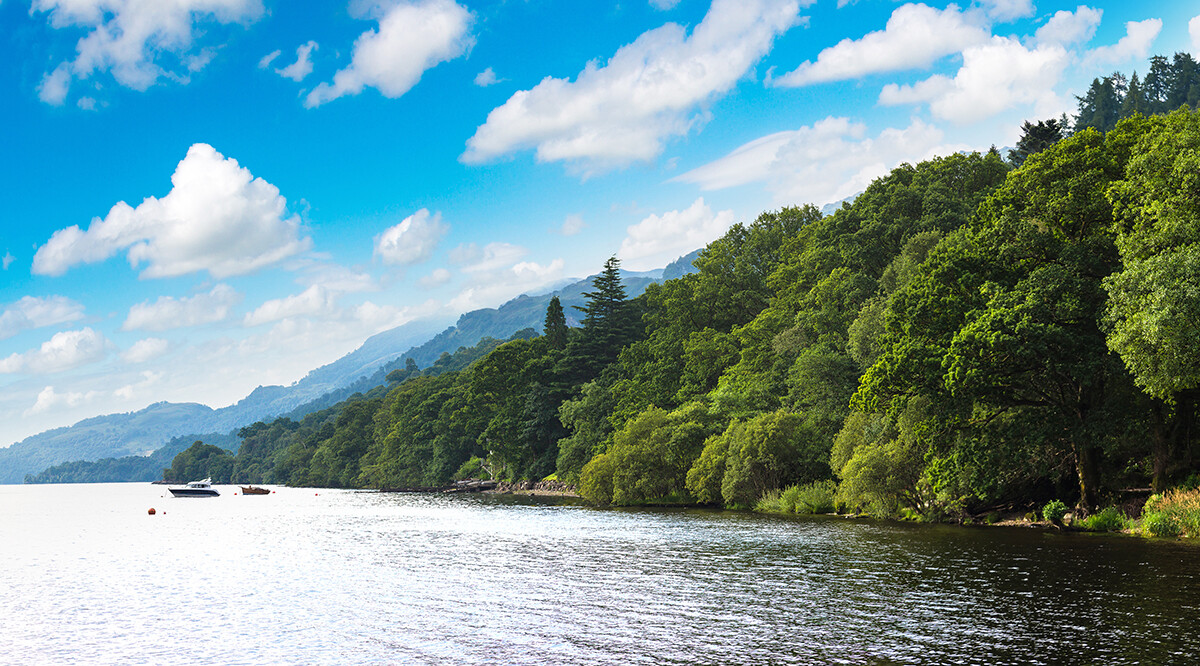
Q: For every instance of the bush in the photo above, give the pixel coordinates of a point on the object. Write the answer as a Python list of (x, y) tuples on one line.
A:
[(1108, 520), (811, 498), (471, 469), (1054, 511), (1175, 513)]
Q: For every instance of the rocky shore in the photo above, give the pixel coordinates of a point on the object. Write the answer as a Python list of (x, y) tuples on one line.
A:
[(548, 488)]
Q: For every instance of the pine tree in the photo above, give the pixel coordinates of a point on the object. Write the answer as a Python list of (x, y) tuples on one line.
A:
[(1034, 139), (555, 328), (1135, 99)]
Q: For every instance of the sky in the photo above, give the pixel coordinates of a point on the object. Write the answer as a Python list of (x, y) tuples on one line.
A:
[(204, 196)]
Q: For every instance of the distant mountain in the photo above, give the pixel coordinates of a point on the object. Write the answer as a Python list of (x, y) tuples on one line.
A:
[(134, 433), (139, 433)]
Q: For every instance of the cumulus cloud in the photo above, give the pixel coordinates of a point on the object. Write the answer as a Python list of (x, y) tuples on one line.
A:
[(1066, 28), (821, 163), (994, 77), (168, 312), (316, 300), (1194, 33), (915, 36), (572, 225), (622, 111), (216, 218), (659, 239), (412, 38), (491, 257), (133, 39), (129, 391), (411, 241), (1008, 10), (486, 78), (31, 312), (437, 278), (49, 399), (1135, 45), (146, 349), (66, 350), (497, 282), (303, 65)]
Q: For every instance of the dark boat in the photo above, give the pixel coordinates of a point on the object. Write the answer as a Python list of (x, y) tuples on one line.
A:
[(254, 490), (196, 489)]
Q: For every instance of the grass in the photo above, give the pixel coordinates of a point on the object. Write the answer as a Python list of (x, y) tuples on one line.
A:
[(1175, 513), (816, 497)]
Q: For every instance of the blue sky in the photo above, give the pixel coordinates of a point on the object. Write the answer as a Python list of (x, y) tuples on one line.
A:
[(202, 196)]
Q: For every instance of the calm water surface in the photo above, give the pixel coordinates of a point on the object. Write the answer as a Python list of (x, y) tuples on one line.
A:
[(332, 577)]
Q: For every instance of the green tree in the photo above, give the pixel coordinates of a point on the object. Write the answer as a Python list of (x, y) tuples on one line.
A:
[(1035, 138), (555, 328)]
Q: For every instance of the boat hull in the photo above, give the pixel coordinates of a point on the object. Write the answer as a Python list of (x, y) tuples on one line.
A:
[(194, 492)]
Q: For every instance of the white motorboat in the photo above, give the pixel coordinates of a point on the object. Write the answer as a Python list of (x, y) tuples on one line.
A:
[(196, 489)]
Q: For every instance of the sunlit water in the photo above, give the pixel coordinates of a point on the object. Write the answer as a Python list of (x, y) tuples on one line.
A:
[(331, 577)]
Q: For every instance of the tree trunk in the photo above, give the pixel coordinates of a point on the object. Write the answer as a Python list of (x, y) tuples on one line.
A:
[(1089, 478)]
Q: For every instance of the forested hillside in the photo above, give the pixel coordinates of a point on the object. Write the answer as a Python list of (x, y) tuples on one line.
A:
[(964, 336)]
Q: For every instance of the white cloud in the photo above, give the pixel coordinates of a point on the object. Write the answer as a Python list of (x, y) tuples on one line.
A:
[(148, 379), (663, 5), (1135, 45), (411, 241), (573, 225), (486, 78), (659, 239), (167, 312), (316, 300), (623, 111), (437, 278), (822, 163), (131, 38), (269, 58), (412, 37), (217, 218), (7, 260), (493, 256), (146, 349), (336, 278), (1067, 28), (1008, 10), (994, 77), (303, 65), (915, 37), (498, 282), (48, 399), (1194, 33), (64, 351), (31, 312)]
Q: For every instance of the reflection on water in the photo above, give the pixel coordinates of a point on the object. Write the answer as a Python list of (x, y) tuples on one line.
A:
[(326, 576)]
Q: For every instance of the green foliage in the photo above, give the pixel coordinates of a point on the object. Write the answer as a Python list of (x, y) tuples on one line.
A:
[(471, 469), (755, 456), (1172, 514), (1054, 511), (811, 498), (650, 456), (200, 461), (1107, 520)]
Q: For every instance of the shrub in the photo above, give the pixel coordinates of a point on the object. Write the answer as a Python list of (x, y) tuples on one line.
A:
[(471, 469), (1175, 513), (1108, 520), (1054, 511), (815, 497)]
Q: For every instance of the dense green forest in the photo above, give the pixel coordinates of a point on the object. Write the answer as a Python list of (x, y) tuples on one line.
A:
[(967, 335)]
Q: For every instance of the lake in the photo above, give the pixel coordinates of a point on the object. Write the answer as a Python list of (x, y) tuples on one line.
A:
[(312, 576)]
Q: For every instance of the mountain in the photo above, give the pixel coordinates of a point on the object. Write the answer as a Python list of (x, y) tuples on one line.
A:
[(112, 435), (141, 432)]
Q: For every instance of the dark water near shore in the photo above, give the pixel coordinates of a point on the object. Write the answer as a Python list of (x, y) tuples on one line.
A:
[(331, 577)]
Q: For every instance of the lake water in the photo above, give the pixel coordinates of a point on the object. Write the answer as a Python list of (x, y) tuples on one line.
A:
[(334, 577)]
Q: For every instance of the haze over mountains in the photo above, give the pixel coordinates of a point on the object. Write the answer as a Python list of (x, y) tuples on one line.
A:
[(143, 432)]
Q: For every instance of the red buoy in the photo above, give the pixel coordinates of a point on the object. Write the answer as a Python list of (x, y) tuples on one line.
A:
[(151, 511)]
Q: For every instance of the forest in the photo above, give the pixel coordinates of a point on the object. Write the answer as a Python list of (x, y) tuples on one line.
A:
[(970, 334)]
